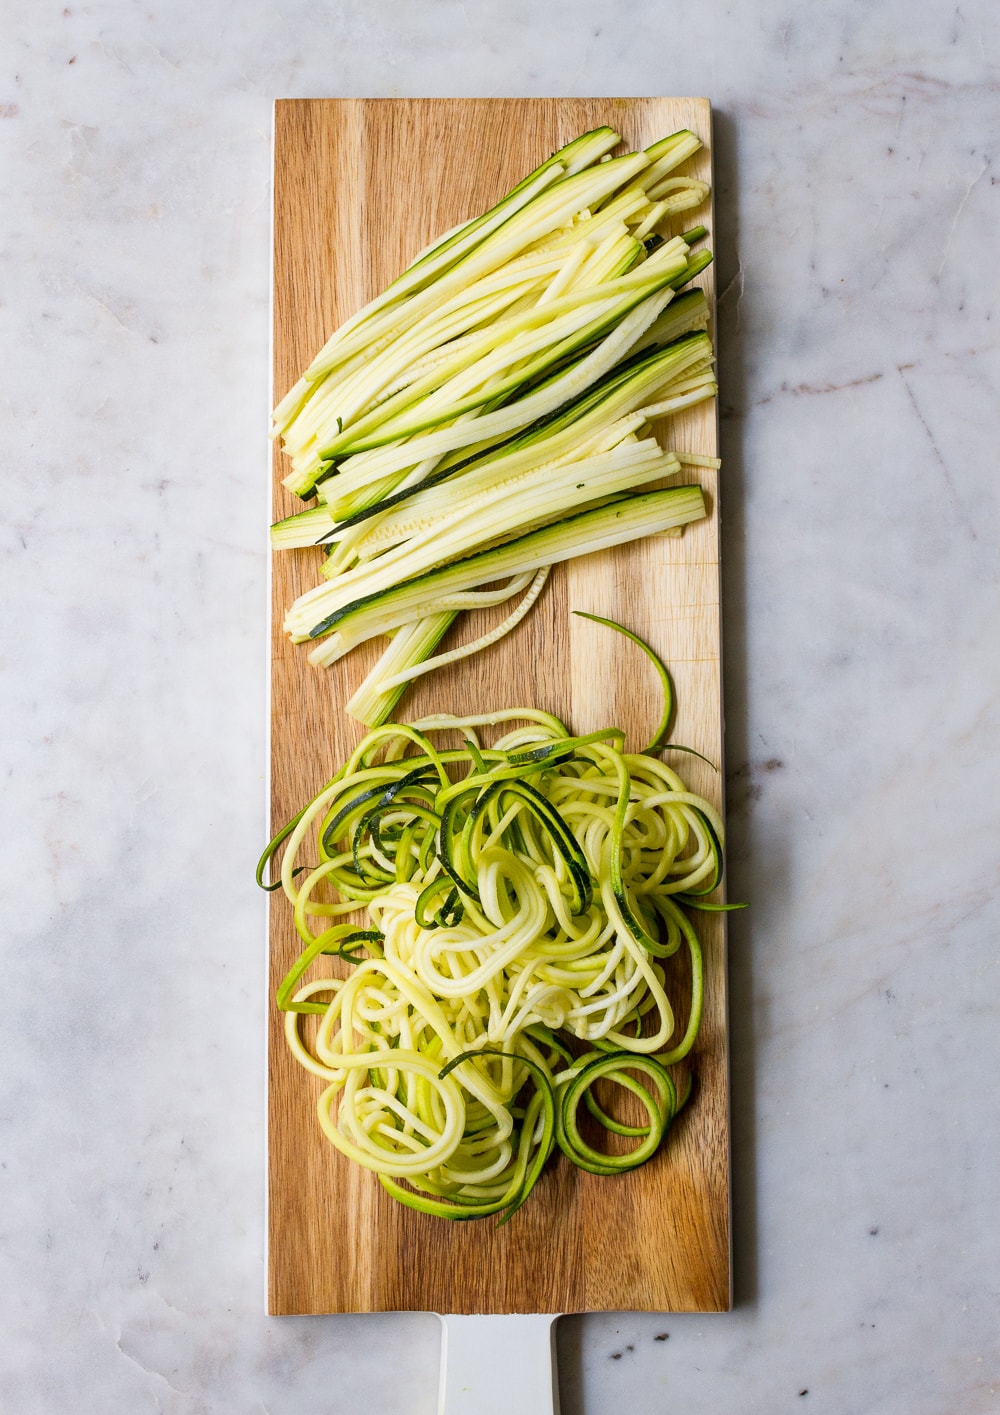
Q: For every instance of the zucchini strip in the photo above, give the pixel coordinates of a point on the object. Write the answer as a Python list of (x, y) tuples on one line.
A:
[(595, 529), (395, 670), (502, 384)]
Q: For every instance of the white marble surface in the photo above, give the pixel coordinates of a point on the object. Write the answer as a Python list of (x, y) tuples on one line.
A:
[(858, 212)]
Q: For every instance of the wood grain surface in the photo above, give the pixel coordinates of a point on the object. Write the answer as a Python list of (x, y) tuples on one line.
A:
[(359, 187)]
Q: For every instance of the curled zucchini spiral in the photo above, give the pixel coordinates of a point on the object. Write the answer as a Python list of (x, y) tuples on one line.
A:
[(523, 902)]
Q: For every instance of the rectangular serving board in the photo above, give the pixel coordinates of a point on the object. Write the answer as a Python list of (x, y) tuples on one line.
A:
[(360, 186)]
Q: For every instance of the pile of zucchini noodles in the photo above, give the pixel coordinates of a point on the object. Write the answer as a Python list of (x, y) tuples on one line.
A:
[(524, 901)]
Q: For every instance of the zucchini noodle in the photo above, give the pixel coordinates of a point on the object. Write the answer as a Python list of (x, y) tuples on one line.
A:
[(485, 641), (525, 911)]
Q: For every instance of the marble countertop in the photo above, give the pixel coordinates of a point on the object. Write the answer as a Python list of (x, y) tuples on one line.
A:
[(858, 205)]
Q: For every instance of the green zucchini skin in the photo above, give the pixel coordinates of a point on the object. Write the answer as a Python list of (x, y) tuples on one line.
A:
[(594, 528), (438, 824)]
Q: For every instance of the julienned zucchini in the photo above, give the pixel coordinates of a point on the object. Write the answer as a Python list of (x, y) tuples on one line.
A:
[(442, 255), (681, 371), (500, 388), (513, 351), (541, 496), (587, 531)]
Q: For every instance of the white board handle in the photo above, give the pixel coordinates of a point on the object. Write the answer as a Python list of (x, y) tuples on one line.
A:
[(498, 1366)]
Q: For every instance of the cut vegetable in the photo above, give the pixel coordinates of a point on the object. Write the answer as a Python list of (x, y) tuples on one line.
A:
[(374, 701), (522, 919), (411, 644), (501, 386), (385, 609), (663, 673)]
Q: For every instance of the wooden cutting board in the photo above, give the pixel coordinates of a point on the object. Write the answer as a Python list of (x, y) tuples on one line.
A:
[(360, 185)]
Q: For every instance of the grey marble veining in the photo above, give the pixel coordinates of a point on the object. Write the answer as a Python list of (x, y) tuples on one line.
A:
[(858, 209)]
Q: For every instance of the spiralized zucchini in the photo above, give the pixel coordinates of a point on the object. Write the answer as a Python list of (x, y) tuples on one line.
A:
[(524, 902)]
